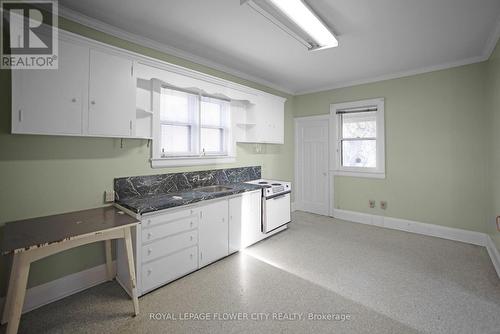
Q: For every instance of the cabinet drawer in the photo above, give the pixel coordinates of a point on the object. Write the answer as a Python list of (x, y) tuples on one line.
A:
[(159, 231), (169, 245), (164, 270), (150, 221)]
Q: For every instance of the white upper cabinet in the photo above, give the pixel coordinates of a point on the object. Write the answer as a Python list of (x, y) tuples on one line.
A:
[(112, 92), (264, 121), (103, 91), (52, 101)]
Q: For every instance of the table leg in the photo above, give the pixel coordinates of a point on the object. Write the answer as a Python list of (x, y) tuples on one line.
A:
[(10, 289), (21, 268), (131, 268), (109, 260)]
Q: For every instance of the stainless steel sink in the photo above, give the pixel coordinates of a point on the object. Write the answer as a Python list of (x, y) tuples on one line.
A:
[(214, 189)]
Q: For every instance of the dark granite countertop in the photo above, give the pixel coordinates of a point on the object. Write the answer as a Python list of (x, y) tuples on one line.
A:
[(161, 201)]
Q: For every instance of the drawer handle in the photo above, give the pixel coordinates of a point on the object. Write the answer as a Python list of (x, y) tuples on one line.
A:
[(191, 256), (192, 211), (149, 221), (191, 224), (191, 238), (150, 251), (223, 219), (150, 271), (150, 235)]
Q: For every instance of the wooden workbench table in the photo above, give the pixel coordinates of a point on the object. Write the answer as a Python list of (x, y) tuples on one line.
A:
[(33, 239)]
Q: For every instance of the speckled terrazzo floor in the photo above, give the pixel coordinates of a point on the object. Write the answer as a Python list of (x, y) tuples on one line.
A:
[(386, 281)]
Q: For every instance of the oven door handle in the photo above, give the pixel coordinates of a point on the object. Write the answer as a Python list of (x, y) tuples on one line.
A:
[(278, 196)]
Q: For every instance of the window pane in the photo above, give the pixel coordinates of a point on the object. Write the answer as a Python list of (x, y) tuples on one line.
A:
[(211, 140), (359, 153), (177, 106), (175, 138), (213, 111), (359, 125)]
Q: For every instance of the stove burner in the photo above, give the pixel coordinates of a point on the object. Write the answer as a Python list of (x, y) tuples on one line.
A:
[(263, 182), (276, 184)]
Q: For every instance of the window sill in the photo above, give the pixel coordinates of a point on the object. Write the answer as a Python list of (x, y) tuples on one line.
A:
[(372, 175), (190, 161)]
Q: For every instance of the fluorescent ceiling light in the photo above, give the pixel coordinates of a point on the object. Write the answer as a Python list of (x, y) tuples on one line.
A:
[(298, 12)]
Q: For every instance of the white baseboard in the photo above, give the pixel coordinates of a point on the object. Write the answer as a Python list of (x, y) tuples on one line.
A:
[(450, 233), (494, 254), (49, 292)]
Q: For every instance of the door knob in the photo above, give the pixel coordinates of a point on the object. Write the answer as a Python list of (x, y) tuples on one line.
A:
[(92, 102)]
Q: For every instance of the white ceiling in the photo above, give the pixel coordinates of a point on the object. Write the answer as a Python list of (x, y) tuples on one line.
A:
[(378, 39)]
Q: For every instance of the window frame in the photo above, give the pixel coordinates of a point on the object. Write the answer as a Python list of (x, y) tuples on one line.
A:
[(196, 157), (192, 124), (224, 129), (337, 138)]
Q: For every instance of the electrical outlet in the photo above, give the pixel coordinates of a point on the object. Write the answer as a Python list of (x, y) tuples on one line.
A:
[(371, 204), (109, 196), (383, 205)]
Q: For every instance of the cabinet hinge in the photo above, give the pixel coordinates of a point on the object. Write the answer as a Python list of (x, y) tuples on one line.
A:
[(132, 70), (20, 115), (201, 255)]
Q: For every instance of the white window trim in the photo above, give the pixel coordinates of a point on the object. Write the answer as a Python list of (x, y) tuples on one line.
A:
[(158, 161), (338, 169)]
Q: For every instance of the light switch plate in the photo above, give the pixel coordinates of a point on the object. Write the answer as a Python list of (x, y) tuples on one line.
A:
[(109, 196)]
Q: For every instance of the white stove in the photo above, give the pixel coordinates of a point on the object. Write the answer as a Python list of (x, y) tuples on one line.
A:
[(275, 203)]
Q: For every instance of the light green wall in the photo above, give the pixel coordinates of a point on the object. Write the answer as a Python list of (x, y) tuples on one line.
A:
[(494, 152), (435, 147), (43, 175)]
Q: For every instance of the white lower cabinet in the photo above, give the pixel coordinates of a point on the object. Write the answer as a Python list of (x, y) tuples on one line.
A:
[(244, 220), (213, 232), (172, 244), (166, 269)]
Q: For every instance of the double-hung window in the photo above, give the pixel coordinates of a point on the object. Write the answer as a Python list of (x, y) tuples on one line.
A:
[(191, 129), (178, 123), (359, 138), (214, 114)]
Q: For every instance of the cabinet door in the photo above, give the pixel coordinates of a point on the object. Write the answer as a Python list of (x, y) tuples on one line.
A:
[(111, 95), (271, 120), (213, 232), (52, 101), (244, 220)]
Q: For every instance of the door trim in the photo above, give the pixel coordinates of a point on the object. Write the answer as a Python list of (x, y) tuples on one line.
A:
[(297, 200)]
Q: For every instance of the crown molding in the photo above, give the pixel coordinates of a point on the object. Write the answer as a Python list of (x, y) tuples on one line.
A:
[(149, 43), (109, 29), (492, 40), (396, 75)]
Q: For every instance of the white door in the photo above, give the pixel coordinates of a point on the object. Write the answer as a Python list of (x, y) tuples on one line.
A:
[(213, 232), (52, 101), (312, 188), (244, 220), (112, 92)]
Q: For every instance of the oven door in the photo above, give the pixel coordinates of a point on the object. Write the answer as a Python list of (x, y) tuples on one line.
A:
[(275, 212)]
